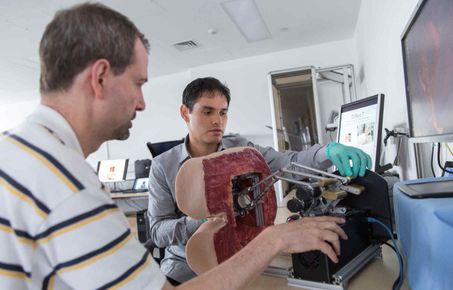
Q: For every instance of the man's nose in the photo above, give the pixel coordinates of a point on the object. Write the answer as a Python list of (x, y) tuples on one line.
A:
[(141, 105), (217, 119)]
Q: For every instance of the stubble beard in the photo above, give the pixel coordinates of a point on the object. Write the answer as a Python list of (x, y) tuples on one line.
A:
[(121, 134)]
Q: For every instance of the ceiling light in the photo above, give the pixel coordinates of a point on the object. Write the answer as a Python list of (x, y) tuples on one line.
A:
[(248, 19)]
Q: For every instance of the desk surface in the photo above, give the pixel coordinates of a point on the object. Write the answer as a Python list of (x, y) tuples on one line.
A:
[(120, 195)]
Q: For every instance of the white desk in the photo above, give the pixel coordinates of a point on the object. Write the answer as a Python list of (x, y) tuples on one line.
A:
[(120, 195)]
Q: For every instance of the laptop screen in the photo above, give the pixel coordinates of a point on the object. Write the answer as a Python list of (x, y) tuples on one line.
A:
[(112, 170), (141, 184)]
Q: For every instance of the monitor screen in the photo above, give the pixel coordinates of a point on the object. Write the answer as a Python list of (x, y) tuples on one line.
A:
[(428, 66), (141, 184), (112, 170), (360, 126)]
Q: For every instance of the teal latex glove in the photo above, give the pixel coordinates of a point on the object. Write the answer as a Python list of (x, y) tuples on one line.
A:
[(340, 155)]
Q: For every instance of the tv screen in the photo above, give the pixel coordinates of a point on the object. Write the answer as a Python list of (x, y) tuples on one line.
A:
[(112, 170), (360, 126), (427, 45)]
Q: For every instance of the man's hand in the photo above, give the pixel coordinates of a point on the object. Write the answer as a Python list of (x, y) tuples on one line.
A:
[(321, 233), (311, 233), (340, 155)]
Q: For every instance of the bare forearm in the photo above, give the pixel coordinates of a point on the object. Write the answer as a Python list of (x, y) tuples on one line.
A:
[(317, 233), (242, 268)]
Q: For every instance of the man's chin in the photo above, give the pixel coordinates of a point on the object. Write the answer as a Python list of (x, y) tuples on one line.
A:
[(121, 136), (215, 140)]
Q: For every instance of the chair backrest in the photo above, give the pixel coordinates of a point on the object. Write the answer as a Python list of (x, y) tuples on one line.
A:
[(161, 147), (142, 168), (145, 238)]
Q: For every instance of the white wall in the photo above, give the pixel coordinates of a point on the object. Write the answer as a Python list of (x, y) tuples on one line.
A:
[(375, 52), (249, 110), (250, 101), (12, 114), (380, 65), (248, 81), (159, 122)]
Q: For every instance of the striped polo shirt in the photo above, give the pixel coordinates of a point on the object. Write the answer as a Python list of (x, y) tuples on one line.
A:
[(59, 229)]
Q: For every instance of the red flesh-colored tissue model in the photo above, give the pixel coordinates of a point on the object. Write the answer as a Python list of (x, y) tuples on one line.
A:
[(204, 189)]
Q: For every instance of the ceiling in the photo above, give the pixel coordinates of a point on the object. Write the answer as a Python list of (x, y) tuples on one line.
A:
[(291, 23)]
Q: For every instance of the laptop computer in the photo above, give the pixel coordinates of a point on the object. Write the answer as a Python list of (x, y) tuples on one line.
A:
[(140, 184)]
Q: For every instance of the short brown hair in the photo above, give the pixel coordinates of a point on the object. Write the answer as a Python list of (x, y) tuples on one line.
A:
[(197, 87), (78, 36)]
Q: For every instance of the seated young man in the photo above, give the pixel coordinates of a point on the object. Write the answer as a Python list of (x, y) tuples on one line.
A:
[(204, 108)]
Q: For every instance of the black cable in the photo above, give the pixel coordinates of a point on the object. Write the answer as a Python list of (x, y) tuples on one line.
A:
[(438, 160), (390, 246), (432, 161), (397, 280)]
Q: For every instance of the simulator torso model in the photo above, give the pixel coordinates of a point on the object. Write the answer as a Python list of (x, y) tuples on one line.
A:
[(233, 190)]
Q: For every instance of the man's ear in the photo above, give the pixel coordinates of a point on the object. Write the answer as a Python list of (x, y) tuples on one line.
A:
[(99, 73), (184, 111)]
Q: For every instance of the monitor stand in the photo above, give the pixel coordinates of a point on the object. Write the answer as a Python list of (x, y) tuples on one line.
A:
[(115, 188)]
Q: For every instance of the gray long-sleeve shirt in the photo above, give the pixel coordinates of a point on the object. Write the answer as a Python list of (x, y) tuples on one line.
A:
[(169, 227)]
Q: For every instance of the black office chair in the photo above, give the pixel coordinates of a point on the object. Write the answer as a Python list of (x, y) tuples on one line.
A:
[(142, 217), (161, 147), (142, 168), (145, 238)]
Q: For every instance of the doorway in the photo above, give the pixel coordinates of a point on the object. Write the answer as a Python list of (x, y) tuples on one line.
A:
[(304, 103)]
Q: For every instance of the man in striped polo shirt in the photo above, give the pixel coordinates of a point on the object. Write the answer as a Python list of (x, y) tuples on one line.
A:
[(59, 228)]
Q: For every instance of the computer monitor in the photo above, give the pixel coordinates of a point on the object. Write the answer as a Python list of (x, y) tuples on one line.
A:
[(140, 184), (428, 66), (360, 125), (112, 170)]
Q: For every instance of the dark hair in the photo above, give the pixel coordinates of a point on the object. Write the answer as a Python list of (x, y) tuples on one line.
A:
[(197, 87), (81, 35)]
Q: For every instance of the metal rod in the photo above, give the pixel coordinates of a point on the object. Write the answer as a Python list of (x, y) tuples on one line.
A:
[(258, 198), (344, 180), (258, 206), (250, 188), (304, 174), (297, 181)]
